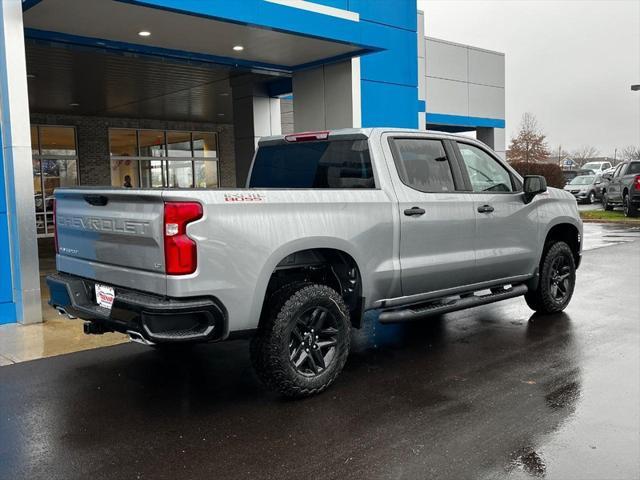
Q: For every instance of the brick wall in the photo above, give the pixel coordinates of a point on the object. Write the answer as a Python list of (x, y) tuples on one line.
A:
[(93, 142)]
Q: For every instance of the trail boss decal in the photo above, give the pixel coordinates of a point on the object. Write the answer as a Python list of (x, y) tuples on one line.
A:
[(244, 197)]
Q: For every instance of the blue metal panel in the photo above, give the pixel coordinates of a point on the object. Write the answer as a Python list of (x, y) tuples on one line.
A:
[(459, 120), (388, 105), (259, 13), (396, 13), (343, 4), (27, 4), (7, 313), (389, 79), (6, 290), (3, 193), (398, 63)]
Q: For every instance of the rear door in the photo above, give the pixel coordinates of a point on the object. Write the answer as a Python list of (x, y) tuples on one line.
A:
[(614, 190), (112, 236), (506, 237), (437, 221)]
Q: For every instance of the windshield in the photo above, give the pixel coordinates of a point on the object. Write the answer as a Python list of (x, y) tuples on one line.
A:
[(324, 164), (582, 180), (592, 166)]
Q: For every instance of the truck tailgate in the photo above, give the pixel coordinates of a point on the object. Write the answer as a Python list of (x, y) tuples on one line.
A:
[(113, 236)]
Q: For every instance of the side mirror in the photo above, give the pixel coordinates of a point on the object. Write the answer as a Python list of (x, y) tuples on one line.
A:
[(534, 185)]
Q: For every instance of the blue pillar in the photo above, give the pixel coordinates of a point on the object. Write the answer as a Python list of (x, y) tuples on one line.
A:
[(19, 273), (389, 79)]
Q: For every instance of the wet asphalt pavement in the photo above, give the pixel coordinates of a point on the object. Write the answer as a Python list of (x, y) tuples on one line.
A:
[(493, 392)]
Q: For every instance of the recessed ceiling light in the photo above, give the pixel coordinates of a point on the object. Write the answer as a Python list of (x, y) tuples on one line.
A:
[(144, 33), (238, 48), (224, 94), (31, 75), (221, 114), (74, 104)]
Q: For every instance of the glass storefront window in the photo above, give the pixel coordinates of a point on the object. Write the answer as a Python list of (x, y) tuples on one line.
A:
[(180, 173), (123, 142), (151, 143), (151, 173), (179, 144), (205, 144), (37, 186), (125, 173), (206, 173), (174, 150), (57, 141), (35, 141), (55, 165)]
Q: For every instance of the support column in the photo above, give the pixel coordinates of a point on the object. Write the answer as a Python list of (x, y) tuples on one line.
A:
[(255, 115), (328, 97), (18, 243), (494, 138)]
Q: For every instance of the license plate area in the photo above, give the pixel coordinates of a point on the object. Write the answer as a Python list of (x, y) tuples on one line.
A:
[(104, 295)]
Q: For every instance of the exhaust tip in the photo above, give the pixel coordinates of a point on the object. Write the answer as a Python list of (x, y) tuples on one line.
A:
[(138, 338)]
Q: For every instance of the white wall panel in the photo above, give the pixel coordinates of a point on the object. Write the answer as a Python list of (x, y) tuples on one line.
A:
[(447, 96), (446, 60), (486, 101), (486, 68)]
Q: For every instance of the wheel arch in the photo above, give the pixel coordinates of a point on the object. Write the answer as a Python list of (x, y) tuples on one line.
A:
[(321, 260), (568, 233)]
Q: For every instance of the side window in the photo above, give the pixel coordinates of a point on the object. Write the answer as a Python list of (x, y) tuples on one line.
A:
[(634, 168), (423, 165), (618, 170), (485, 172)]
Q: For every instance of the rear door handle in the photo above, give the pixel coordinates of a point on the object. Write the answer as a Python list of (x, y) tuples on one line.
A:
[(485, 209), (414, 211)]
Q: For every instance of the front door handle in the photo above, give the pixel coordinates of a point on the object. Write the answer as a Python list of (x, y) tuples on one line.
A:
[(414, 211), (485, 209)]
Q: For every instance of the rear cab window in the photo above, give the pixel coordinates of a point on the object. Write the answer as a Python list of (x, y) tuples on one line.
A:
[(634, 168), (423, 164), (335, 164)]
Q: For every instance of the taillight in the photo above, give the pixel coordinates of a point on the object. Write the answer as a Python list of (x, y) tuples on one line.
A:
[(55, 228), (307, 136), (180, 252), (636, 182)]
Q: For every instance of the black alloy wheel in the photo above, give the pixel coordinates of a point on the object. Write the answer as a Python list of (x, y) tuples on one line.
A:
[(313, 340), (559, 278)]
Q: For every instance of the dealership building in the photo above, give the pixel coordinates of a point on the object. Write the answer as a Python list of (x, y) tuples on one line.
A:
[(175, 94)]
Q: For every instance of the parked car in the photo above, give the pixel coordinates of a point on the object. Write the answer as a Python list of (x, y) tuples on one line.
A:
[(597, 167), (571, 174), (408, 223), (624, 189), (585, 188)]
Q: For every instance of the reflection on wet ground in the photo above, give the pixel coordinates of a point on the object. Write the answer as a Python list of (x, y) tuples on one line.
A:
[(597, 235), (493, 392)]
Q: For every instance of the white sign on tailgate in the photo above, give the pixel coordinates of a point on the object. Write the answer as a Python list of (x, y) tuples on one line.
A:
[(104, 296)]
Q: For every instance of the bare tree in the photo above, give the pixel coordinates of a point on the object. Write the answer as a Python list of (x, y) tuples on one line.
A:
[(558, 154), (631, 152), (529, 145), (583, 154)]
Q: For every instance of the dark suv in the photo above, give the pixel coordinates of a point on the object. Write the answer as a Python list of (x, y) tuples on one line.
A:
[(624, 189)]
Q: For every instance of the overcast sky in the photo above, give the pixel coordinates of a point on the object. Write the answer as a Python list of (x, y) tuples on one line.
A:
[(571, 63)]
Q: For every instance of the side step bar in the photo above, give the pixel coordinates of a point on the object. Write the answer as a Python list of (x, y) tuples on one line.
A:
[(416, 312)]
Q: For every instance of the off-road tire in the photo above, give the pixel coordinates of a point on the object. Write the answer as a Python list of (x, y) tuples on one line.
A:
[(630, 210), (270, 348), (542, 300)]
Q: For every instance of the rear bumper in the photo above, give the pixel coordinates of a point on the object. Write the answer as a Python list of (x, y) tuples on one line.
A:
[(158, 319)]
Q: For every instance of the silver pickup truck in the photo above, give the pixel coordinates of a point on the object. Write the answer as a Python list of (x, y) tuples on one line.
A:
[(408, 223)]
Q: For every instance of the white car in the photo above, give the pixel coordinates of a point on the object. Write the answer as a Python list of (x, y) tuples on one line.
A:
[(597, 167)]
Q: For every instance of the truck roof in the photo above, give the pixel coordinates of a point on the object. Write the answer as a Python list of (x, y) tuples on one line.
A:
[(353, 133)]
